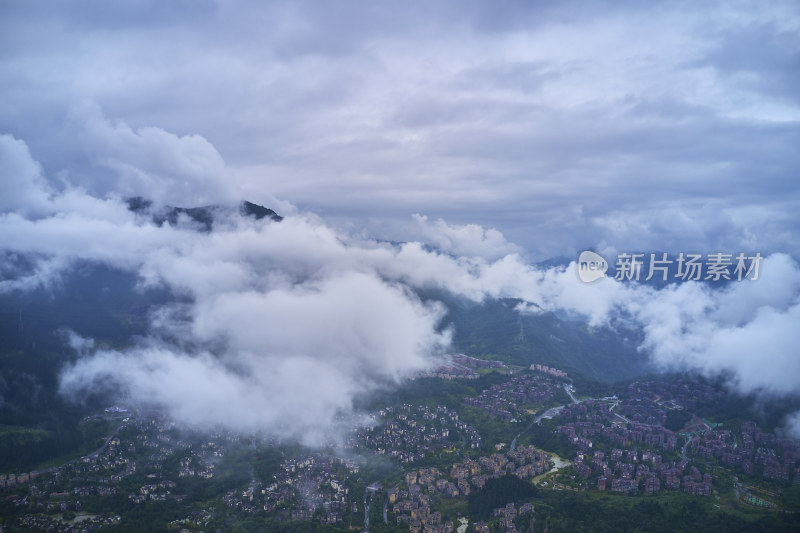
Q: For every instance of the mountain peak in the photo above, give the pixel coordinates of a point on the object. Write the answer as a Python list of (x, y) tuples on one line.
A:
[(202, 215)]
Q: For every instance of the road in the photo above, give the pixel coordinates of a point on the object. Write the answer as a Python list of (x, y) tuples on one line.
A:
[(553, 411), (99, 450), (619, 415), (547, 414), (568, 388), (685, 445), (463, 443), (92, 455), (550, 413), (366, 510), (367, 502)]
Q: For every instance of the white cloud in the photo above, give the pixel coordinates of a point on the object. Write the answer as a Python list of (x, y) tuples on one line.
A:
[(469, 239), (793, 424), (541, 130), (745, 329), (294, 358), (291, 355), (22, 187), (669, 125), (153, 163)]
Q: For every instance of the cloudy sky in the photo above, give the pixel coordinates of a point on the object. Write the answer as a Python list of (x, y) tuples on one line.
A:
[(566, 124), (500, 134)]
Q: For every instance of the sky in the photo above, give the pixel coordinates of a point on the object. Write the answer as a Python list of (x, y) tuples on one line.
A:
[(479, 137), (563, 125)]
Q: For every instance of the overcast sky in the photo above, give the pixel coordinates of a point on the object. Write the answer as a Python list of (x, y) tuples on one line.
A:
[(481, 137), (565, 125)]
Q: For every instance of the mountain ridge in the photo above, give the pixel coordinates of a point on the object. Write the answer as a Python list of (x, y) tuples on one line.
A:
[(204, 215)]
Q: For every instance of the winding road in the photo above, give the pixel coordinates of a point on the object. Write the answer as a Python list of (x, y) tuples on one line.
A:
[(685, 445), (550, 413), (371, 490), (92, 455)]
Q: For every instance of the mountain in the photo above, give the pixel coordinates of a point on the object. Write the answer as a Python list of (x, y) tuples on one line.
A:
[(104, 303), (92, 299), (496, 329), (203, 216)]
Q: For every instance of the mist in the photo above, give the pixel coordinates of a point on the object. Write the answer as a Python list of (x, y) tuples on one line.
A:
[(285, 325)]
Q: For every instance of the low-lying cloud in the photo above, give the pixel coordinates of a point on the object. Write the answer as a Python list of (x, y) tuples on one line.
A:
[(286, 324)]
